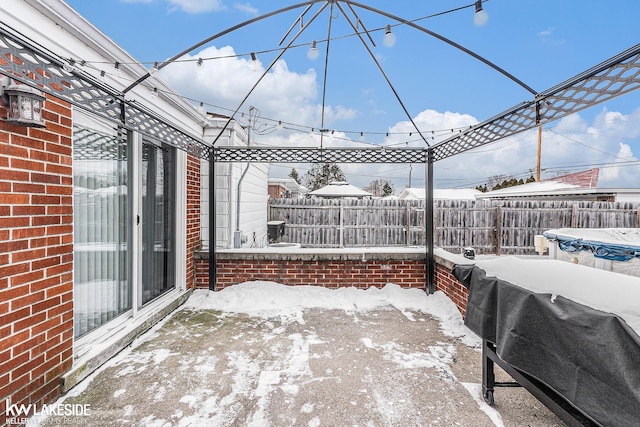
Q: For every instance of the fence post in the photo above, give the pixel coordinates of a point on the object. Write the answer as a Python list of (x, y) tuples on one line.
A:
[(407, 229), (498, 231), (341, 225), (574, 215)]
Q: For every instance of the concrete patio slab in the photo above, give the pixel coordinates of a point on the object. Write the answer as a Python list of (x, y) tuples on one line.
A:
[(382, 367)]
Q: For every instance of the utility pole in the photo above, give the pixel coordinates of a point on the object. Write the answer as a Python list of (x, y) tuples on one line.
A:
[(539, 141)]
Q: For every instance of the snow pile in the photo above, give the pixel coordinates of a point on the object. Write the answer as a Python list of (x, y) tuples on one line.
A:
[(603, 290), (617, 236), (270, 299)]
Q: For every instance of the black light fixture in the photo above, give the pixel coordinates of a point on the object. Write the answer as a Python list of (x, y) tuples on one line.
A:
[(24, 103)]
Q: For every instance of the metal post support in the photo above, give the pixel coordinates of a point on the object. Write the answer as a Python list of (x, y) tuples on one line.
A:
[(428, 220), (213, 278), (488, 373)]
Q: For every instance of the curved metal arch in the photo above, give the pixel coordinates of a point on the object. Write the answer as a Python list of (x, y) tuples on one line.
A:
[(446, 40), (220, 34), (350, 3)]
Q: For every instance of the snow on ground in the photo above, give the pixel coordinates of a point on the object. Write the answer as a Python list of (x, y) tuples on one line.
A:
[(273, 305), (268, 299)]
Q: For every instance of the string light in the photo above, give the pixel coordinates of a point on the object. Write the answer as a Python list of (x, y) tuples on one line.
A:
[(313, 52), (389, 38), (255, 65), (480, 17)]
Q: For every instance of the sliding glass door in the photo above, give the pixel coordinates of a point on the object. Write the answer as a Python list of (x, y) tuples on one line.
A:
[(158, 220), (124, 225)]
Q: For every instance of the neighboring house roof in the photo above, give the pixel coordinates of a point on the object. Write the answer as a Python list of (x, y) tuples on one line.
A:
[(584, 179), (440, 194), (574, 186), (544, 191), (340, 189), (290, 184), (530, 189)]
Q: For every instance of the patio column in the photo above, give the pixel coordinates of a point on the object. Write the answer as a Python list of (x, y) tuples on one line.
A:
[(428, 220), (212, 222)]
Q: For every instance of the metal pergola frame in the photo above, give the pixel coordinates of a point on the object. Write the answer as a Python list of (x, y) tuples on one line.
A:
[(29, 63)]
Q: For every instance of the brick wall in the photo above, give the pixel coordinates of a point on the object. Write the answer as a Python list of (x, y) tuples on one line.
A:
[(193, 216), (327, 273), (330, 271), (447, 283), (276, 190), (36, 257)]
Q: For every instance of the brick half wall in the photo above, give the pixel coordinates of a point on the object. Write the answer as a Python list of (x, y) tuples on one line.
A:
[(332, 270)]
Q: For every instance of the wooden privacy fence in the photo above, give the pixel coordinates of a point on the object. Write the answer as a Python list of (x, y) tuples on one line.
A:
[(490, 227)]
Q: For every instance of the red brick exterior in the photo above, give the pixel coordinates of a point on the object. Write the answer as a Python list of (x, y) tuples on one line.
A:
[(193, 216), (332, 273), (447, 283), (329, 273), (36, 257), (276, 190)]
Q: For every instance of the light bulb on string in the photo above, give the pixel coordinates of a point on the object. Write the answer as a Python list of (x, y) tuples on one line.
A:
[(313, 53), (255, 64), (389, 38), (480, 17)]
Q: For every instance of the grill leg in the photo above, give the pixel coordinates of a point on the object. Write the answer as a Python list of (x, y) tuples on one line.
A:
[(488, 373)]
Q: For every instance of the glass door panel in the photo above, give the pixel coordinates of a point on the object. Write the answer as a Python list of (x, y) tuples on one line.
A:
[(102, 289), (158, 220)]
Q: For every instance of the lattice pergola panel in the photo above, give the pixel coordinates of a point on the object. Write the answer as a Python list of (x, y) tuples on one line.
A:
[(317, 155), (612, 78), (37, 67), (45, 71)]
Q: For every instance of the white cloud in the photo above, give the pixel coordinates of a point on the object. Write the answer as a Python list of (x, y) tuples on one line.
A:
[(547, 32), (282, 94), (246, 8), (570, 144), (197, 6)]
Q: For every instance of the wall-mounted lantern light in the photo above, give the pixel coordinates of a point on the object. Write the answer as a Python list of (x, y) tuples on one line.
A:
[(24, 103)]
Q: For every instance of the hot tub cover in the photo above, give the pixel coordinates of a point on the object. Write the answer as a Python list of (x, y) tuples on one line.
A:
[(589, 356), (616, 244)]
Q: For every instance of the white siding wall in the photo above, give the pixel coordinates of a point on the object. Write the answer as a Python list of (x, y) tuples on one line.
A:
[(253, 195)]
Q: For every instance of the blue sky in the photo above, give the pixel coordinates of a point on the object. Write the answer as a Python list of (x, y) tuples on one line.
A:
[(541, 42)]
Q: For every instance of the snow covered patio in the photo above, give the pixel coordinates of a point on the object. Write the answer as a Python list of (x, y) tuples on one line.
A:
[(265, 354)]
